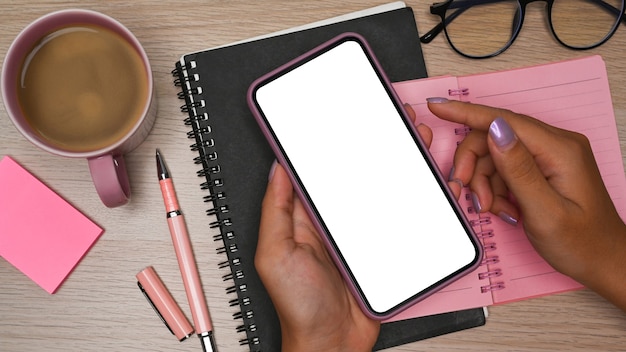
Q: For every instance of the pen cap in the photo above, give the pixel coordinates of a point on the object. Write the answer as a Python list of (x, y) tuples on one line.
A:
[(163, 303)]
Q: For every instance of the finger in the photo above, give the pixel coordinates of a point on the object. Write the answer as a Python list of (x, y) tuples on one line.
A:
[(502, 205), (409, 110), (467, 154), (304, 232), (541, 140), (490, 193), (456, 187), (482, 195), (475, 116), (533, 132), (276, 226), (284, 219), (426, 133), (518, 169)]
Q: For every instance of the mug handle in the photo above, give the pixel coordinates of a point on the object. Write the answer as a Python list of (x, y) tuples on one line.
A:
[(109, 175)]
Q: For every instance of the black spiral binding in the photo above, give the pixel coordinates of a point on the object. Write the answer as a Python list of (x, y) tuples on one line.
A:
[(208, 161), (480, 223)]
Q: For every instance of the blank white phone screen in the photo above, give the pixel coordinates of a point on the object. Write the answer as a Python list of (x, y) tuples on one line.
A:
[(365, 176)]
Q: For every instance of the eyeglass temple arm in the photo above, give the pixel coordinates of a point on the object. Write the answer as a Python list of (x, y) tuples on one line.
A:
[(440, 8), (431, 34), (464, 5)]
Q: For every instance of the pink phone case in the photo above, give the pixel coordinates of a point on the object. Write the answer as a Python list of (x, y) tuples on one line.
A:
[(314, 217)]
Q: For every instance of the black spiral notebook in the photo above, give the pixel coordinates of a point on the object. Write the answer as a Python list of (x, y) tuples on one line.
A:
[(234, 158)]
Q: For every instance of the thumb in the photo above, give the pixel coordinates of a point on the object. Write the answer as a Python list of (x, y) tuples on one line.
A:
[(276, 225), (519, 170)]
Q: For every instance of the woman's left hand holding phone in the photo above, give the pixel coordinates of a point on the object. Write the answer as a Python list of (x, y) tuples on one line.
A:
[(317, 311)]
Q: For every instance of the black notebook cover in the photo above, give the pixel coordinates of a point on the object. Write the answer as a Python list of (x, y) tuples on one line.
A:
[(235, 159)]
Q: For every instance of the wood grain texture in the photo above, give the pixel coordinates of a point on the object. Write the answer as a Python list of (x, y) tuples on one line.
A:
[(100, 308)]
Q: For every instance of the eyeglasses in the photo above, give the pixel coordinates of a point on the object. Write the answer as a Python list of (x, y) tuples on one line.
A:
[(485, 28)]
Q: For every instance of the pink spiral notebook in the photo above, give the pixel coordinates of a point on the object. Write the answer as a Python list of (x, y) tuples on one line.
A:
[(40, 233), (573, 95)]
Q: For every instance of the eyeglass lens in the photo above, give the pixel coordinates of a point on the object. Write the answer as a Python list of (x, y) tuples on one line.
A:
[(483, 28), (584, 23)]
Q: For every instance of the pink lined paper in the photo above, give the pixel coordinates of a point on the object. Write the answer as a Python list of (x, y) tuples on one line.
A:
[(573, 95), (40, 233)]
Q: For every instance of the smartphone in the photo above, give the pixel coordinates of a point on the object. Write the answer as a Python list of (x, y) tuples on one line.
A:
[(366, 178)]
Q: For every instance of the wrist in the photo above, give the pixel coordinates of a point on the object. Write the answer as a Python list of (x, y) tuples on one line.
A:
[(607, 276), (337, 342), (290, 344)]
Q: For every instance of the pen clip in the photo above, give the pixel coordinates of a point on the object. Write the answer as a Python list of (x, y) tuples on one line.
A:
[(154, 307)]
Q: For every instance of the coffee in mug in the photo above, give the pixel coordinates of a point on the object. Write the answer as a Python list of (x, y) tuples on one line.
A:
[(82, 87), (77, 83)]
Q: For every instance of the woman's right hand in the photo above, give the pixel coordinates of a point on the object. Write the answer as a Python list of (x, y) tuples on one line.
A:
[(558, 193)]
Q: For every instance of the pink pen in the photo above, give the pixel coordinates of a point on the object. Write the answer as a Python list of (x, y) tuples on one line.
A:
[(186, 260)]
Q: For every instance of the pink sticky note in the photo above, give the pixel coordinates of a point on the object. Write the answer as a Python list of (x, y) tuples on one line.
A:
[(40, 233)]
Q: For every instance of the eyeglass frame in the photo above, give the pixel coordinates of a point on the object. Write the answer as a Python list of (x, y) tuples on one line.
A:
[(440, 9)]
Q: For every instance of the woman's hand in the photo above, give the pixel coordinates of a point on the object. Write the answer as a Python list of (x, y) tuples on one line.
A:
[(317, 311), (557, 191)]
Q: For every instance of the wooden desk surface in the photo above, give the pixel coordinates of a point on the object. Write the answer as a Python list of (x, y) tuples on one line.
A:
[(99, 307)]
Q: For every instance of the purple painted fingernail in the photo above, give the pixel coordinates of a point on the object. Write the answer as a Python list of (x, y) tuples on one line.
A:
[(272, 171), (476, 202), (508, 218), (437, 100), (451, 174), (502, 133)]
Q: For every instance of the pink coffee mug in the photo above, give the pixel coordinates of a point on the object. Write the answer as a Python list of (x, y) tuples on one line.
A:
[(106, 164)]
